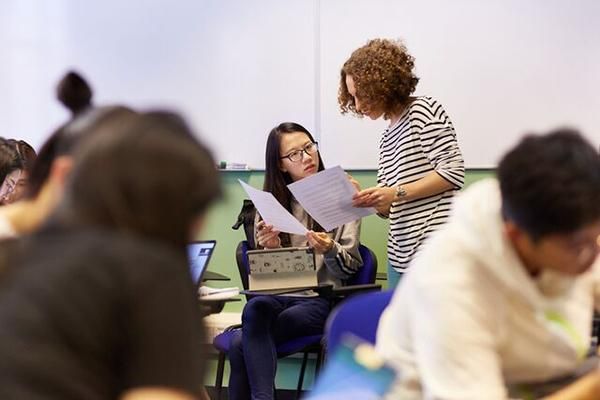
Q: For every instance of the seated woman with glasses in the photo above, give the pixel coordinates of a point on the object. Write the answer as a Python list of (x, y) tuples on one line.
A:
[(291, 154)]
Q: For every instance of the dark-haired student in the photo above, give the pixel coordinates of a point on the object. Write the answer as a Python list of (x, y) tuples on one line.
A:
[(47, 175), (420, 166), (11, 163), (501, 300), (98, 303), (19, 177), (291, 154)]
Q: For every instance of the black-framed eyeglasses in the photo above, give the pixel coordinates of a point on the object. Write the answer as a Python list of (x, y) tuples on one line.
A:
[(297, 155)]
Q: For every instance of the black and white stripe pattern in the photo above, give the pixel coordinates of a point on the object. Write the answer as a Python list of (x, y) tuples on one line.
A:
[(423, 140)]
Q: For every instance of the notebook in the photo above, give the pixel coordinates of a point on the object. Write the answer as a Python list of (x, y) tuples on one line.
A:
[(290, 267), (199, 253)]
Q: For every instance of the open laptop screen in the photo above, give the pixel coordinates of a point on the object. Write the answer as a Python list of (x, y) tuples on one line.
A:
[(199, 253)]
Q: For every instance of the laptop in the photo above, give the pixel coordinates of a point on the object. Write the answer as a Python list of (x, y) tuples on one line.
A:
[(286, 268), (199, 253)]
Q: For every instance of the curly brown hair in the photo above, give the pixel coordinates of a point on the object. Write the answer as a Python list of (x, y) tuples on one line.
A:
[(383, 75)]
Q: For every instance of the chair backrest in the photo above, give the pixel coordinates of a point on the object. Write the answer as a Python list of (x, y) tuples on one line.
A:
[(358, 315), (246, 219), (368, 272), (241, 257)]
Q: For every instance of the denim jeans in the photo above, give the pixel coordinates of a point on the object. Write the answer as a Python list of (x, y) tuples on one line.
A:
[(266, 322)]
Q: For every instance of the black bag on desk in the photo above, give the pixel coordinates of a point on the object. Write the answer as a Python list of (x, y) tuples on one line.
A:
[(246, 218)]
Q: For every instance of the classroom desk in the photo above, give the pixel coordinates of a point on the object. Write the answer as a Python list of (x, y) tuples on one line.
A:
[(214, 276), (214, 306)]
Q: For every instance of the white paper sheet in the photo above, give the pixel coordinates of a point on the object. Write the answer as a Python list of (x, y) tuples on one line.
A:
[(327, 197), (273, 212)]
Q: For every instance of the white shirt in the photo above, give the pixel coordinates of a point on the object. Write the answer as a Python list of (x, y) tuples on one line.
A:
[(468, 320)]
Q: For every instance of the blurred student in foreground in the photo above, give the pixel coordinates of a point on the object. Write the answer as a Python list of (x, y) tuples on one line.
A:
[(501, 300), (99, 304)]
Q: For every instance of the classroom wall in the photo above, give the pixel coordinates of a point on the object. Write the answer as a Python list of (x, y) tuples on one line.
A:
[(223, 215)]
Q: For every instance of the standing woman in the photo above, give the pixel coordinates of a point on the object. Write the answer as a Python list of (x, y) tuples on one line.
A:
[(420, 164), (267, 321)]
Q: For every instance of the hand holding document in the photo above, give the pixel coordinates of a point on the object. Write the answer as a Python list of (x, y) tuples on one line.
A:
[(273, 212), (327, 197)]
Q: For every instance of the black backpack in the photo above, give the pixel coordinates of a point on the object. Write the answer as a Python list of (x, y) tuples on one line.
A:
[(246, 218)]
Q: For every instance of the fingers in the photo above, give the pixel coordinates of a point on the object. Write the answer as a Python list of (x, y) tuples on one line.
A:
[(266, 235), (269, 236), (263, 229), (354, 182), (319, 241), (366, 199)]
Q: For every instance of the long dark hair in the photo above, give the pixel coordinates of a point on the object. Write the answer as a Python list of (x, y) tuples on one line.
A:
[(276, 180), (148, 176)]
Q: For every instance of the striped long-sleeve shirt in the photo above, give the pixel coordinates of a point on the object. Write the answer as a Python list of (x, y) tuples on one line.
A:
[(423, 140)]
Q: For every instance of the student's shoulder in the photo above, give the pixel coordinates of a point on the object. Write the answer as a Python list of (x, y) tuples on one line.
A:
[(445, 267), (429, 107)]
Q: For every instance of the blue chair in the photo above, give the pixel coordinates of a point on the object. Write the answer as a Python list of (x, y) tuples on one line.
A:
[(358, 316), (363, 280)]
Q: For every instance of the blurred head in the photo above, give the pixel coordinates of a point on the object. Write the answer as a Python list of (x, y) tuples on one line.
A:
[(377, 80), (550, 187), (19, 178), (142, 174), (74, 92), (10, 165), (66, 138), (26, 152)]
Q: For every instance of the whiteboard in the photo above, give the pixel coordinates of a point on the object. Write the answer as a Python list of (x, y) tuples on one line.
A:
[(236, 68), (500, 68)]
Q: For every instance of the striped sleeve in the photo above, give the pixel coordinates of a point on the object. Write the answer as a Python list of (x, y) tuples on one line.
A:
[(439, 143)]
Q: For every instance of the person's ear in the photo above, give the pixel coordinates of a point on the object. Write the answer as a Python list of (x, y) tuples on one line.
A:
[(513, 232), (61, 169), (517, 235)]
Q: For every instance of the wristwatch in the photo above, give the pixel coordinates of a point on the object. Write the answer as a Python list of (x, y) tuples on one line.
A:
[(400, 192)]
